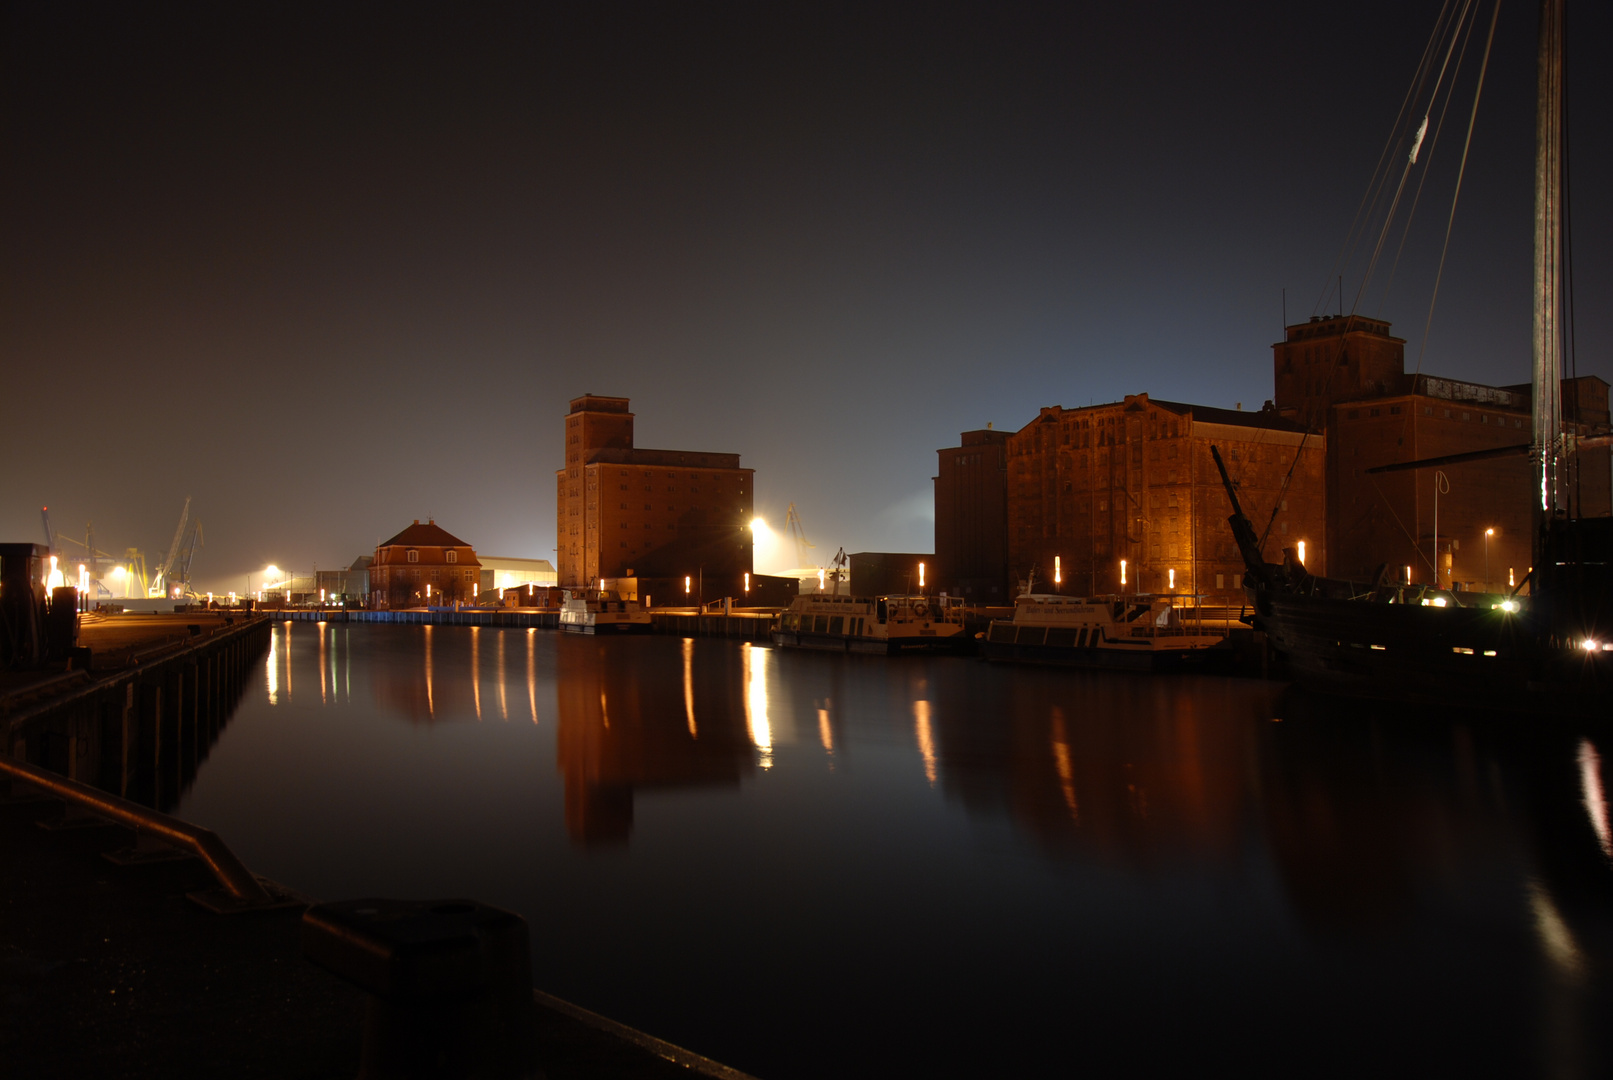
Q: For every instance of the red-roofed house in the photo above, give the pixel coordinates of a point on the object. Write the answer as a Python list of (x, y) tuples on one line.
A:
[(424, 565)]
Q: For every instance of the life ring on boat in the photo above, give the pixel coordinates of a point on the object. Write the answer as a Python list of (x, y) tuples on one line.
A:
[(921, 610)]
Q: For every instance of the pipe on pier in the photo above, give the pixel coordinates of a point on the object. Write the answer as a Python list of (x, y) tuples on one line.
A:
[(234, 877)]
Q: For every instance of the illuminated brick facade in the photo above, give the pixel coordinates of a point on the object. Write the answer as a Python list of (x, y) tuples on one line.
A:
[(1134, 481), (1347, 376), (656, 515), (423, 565)]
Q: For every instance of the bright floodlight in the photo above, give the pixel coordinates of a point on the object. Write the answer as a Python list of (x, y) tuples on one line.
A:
[(272, 570)]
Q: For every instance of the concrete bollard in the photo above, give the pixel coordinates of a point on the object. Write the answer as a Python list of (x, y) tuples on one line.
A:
[(450, 985)]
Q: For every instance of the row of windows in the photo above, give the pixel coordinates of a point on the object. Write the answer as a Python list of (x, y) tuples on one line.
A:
[(448, 556), (1444, 414)]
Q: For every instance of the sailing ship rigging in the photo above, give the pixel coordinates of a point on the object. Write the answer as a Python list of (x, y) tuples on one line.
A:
[(1549, 650)]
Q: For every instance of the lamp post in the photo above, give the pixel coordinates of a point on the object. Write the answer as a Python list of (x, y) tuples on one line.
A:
[(1487, 534), (1442, 486)]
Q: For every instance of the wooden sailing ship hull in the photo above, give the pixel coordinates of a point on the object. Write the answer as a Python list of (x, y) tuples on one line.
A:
[(1555, 655)]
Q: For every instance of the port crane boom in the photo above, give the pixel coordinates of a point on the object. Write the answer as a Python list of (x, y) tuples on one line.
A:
[(159, 583), (792, 519)]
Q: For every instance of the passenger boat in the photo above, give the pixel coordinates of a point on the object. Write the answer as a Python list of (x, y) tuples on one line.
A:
[(592, 611), (875, 624), (1143, 632)]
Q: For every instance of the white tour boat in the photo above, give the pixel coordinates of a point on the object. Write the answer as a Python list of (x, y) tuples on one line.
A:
[(873, 624), (1141, 632), (592, 611)]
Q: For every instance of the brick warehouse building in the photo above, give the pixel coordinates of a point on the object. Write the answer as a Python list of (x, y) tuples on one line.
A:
[(655, 515), (1133, 480), (422, 556), (1345, 376), (971, 518)]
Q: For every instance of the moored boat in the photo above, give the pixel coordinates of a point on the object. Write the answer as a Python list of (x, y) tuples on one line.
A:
[(592, 611), (1139, 633), (873, 624)]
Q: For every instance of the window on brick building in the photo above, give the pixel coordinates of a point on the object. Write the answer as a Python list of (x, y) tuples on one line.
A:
[(450, 556), (414, 556)]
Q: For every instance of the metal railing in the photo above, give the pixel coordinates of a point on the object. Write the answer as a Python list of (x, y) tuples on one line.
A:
[(234, 877)]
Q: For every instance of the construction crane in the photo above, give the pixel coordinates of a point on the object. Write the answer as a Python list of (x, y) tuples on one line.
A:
[(50, 534), (159, 583), (792, 521)]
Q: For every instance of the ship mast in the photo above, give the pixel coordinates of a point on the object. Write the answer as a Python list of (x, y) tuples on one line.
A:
[(1548, 328)]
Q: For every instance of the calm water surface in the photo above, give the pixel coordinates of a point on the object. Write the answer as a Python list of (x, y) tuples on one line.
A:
[(813, 865)]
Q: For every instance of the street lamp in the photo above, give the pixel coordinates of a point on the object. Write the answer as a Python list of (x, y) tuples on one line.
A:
[(1487, 534), (1442, 486)]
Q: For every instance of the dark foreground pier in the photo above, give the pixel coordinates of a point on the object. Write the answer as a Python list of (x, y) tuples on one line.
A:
[(136, 945), (111, 971)]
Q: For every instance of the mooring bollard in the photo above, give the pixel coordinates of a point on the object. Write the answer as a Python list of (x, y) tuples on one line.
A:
[(450, 985)]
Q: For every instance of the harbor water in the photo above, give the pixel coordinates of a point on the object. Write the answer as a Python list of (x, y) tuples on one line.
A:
[(806, 865)]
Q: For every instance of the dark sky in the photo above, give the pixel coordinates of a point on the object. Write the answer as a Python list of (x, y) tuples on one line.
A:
[(330, 272)]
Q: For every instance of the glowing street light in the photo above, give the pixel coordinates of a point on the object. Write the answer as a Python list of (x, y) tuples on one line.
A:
[(747, 576), (1122, 571), (921, 575), (1487, 534), (1172, 574), (686, 585), (1302, 553), (1058, 571)]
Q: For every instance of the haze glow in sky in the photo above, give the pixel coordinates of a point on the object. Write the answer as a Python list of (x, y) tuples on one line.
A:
[(329, 272)]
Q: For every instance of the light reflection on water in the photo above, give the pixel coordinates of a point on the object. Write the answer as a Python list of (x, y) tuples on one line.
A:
[(808, 865)]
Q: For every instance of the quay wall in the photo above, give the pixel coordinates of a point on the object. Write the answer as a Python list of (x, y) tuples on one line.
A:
[(139, 731)]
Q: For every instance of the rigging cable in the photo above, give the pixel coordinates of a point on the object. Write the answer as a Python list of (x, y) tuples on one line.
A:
[(1366, 211), (1422, 180), (1442, 28)]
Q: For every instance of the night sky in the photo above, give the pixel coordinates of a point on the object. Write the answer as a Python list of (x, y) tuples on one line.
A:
[(328, 273)]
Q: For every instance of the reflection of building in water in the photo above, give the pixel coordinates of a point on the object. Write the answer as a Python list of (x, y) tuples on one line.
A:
[(1137, 772), (439, 674), (637, 714)]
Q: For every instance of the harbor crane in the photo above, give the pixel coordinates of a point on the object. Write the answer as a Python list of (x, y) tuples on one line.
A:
[(160, 581), (96, 561), (792, 520)]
